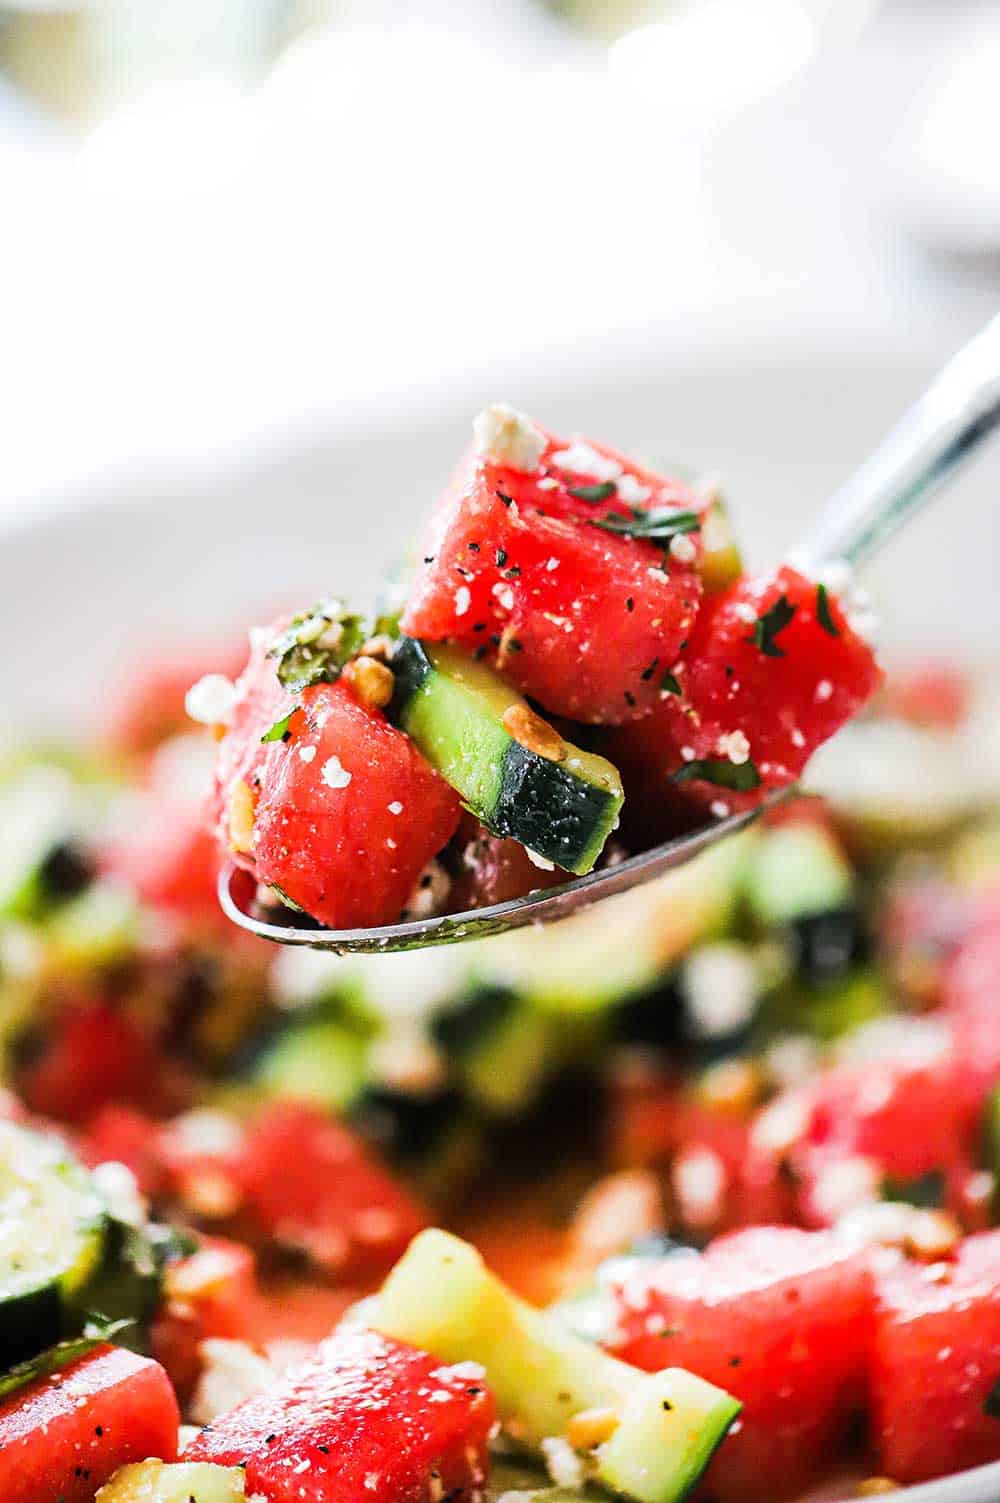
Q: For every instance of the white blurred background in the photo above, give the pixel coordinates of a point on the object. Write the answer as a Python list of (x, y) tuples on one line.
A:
[(230, 227)]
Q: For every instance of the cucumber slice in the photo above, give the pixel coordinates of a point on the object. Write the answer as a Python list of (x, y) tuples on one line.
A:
[(178, 1482), (323, 1060), (441, 1297), (500, 1049), (52, 1232), (453, 708), (796, 871)]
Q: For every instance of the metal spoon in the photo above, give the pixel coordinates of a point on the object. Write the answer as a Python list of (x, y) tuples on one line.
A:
[(944, 428)]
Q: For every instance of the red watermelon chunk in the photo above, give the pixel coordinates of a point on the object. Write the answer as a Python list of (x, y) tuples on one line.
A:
[(768, 675), (779, 1317), (971, 999), (64, 1435), (935, 1379), (308, 1184), (583, 619), (346, 812), (367, 1421)]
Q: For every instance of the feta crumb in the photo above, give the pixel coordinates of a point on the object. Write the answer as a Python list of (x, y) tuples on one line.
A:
[(720, 808), (333, 774), (548, 483), (797, 737), (231, 1372), (582, 459), (563, 1464), (743, 611), (735, 747), (540, 861), (632, 491), (472, 1372), (211, 700), (824, 691), (307, 753), (505, 595), (552, 563), (699, 1182), (395, 807), (719, 987), (463, 599), (504, 436), (206, 1131), (687, 753), (682, 548)]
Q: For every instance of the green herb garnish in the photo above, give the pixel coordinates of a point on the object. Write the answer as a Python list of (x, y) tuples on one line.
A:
[(991, 1403), (770, 624), (279, 730), (658, 525), (603, 490), (669, 684), (315, 645), (739, 777), (926, 1191), (95, 1332), (823, 615)]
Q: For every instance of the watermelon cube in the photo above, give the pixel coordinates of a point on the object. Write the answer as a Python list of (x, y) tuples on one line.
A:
[(935, 1379), (64, 1435), (782, 1319), (369, 1420)]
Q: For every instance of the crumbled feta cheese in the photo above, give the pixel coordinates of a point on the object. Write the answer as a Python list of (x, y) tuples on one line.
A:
[(719, 985), (699, 1183), (463, 599), (333, 774), (682, 548), (211, 700), (406, 1059), (118, 1188), (720, 808), (505, 595), (208, 1132), (552, 563), (824, 691), (735, 747), (744, 611), (687, 753), (504, 436), (797, 737), (563, 1464), (395, 807), (548, 483), (307, 753), (582, 459), (632, 491), (465, 1372), (231, 1372)]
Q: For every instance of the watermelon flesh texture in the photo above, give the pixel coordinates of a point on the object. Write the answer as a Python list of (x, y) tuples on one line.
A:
[(935, 1403), (367, 1421), (347, 811), (782, 1319), (583, 621), (64, 1436), (785, 705)]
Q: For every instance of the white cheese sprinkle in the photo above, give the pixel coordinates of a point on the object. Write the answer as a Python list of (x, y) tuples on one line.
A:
[(682, 548), (552, 563), (581, 459), (505, 595), (463, 599), (687, 753), (333, 774), (307, 753), (743, 611), (824, 691), (505, 436), (211, 700), (720, 808), (563, 1464), (632, 491), (548, 483), (735, 746), (797, 737), (395, 807)]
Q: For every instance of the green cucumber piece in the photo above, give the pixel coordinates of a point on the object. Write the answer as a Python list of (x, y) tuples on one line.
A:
[(323, 1060), (176, 1482), (52, 1235), (499, 1048), (441, 1297), (453, 708), (795, 871)]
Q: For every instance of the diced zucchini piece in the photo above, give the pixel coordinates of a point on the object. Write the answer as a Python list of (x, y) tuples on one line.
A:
[(562, 807), (721, 563), (177, 1482), (52, 1233), (323, 1060), (794, 871), (441, 1297), (500, 1049)]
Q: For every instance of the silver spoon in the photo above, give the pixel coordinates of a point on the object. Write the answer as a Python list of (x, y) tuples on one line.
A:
[(939, 433)]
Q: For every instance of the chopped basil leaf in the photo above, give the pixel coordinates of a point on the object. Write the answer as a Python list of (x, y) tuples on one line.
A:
[(602, 491), (991, 1403), (740, 777), (926, 1191), (770, 624), (315, 645), (95, 1332), (279, 730), (669, 684), (658, 525), (823, 616)]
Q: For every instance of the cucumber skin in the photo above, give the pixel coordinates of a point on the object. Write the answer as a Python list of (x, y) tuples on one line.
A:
[(441, 1297), (517, 794)]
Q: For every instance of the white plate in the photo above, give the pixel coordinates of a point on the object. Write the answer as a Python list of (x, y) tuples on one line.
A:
[(84, 587)]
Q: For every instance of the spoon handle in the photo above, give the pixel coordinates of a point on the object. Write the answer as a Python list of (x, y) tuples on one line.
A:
[(930, 443)]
